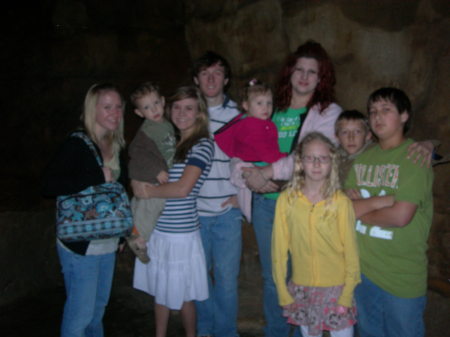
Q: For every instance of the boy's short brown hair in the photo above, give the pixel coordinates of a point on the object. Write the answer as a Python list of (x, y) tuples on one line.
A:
[(145, 88), (351, 115), (208, 59), (398, 98)]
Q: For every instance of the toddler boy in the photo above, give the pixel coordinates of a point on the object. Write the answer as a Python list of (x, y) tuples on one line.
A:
[(392, 238), (151, 154)]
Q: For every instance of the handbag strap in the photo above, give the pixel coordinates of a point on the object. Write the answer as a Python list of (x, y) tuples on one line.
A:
[(90, 144), (232, 122)]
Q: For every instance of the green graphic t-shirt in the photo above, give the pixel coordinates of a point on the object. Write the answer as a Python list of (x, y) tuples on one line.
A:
[(287, 122), (394, 258)]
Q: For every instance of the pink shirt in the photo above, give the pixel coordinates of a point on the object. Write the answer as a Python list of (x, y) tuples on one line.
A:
[(250, 139)]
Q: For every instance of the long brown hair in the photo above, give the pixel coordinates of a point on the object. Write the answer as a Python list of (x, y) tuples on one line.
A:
[(324, 93), (201, 123)]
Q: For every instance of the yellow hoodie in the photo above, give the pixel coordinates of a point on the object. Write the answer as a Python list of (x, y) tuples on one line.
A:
[(321, 240)]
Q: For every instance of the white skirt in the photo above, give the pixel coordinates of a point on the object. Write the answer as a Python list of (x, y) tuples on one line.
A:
[(176, 272)]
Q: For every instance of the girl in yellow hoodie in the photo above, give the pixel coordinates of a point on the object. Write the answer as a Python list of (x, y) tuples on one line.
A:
[(314, 224)]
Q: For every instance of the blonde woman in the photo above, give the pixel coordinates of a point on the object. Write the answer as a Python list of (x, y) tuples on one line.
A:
[(176, 274), (88, 266), (314, 223)]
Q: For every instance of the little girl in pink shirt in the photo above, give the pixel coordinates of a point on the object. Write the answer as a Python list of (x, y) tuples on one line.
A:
[(251, 137)]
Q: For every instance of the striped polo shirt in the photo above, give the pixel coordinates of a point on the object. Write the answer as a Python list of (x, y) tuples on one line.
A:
[(217, 187)]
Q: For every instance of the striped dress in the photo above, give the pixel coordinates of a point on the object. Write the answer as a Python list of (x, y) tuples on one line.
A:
[(177, 270)]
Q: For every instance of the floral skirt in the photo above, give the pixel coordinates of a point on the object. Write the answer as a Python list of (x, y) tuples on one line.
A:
[(316, 308)]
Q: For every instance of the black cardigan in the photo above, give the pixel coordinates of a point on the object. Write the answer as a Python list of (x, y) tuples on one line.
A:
[(73, 169)]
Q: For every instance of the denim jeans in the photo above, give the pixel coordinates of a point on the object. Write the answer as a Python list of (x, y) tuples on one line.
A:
[(263, 211), (88, 280), (222, 243), (381, 314)]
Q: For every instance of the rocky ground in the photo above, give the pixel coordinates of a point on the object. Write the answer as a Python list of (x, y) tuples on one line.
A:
[(130, 314)]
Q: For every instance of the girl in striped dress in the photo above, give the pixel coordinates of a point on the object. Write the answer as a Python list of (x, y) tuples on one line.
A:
[(176, 274)]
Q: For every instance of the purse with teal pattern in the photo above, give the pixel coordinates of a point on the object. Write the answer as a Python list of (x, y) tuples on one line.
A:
[(98, 212)]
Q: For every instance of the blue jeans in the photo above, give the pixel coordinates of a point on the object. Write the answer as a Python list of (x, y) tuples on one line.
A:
[(381, 314), (263, 211), (222, 243), (88, 280)]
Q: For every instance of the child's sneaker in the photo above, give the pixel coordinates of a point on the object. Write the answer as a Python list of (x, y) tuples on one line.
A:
[(139, 247)]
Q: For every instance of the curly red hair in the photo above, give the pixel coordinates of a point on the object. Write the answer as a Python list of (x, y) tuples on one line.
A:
[(324, 93)]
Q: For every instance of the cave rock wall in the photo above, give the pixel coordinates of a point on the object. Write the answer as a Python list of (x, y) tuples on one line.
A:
[(372, 43)]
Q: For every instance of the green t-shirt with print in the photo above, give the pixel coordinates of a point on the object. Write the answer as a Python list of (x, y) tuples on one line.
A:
[(394, 258), (287, 122), (163, 134)]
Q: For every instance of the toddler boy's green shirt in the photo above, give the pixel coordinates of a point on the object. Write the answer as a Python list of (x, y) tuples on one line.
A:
[(394, 258), (163, 134)]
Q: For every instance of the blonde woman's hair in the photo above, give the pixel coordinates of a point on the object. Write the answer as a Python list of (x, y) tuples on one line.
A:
[(201, 124), (89, 114), (297, 182)]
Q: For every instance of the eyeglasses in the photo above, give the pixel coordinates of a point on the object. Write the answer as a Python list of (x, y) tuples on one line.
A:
[(320, 159)]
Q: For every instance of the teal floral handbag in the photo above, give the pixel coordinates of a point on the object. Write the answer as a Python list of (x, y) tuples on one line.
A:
[(98, 212)]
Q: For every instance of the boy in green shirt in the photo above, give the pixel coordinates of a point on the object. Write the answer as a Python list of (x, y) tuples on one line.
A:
[(151, 154), (392, 198)]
